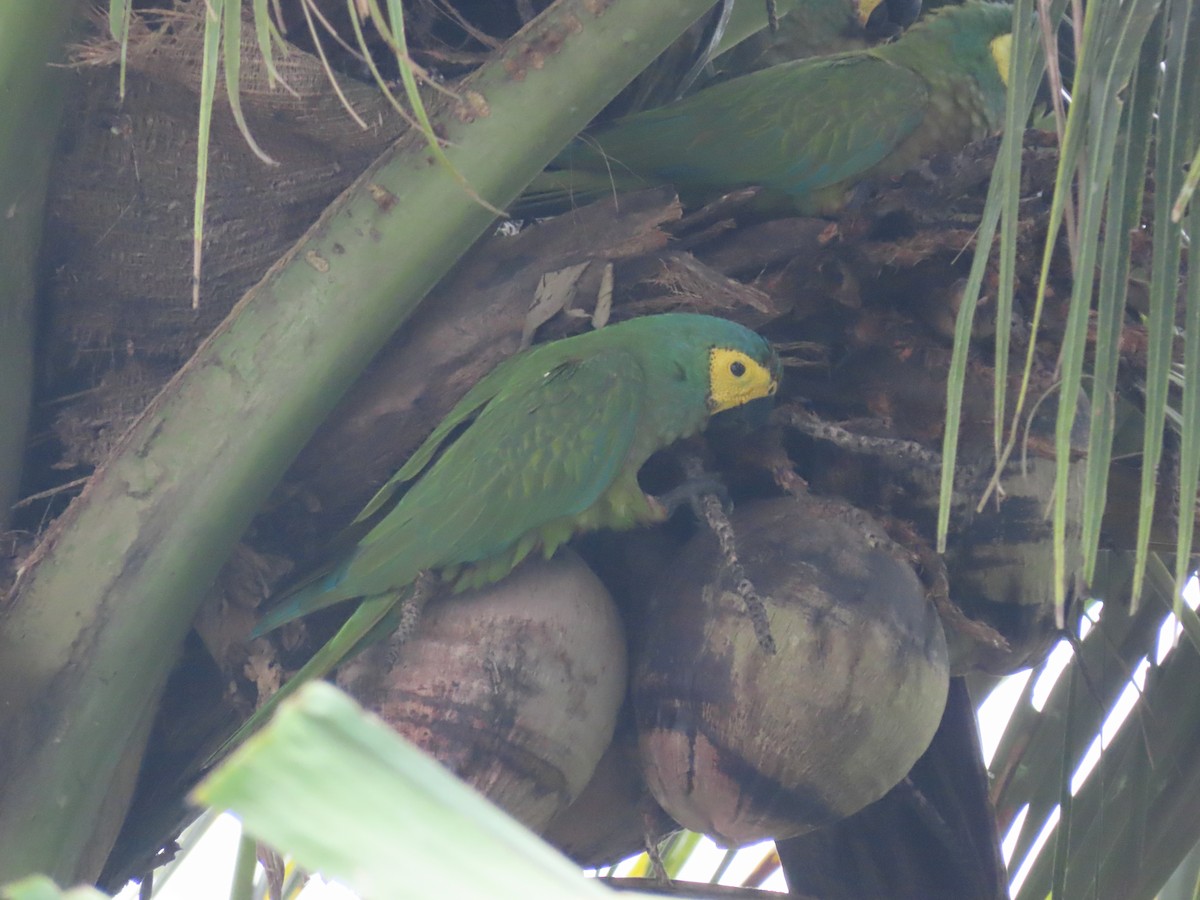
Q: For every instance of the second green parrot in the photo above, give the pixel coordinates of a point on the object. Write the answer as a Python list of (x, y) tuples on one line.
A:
[(806, 132), (546, 445)]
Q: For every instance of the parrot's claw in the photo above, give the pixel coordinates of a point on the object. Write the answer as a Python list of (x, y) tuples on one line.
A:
[(693, 491)]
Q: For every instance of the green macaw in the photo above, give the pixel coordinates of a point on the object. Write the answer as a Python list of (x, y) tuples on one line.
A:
[(806, 132), (546, 445)]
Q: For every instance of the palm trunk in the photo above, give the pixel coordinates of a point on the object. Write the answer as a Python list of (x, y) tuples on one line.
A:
[(31, 37)]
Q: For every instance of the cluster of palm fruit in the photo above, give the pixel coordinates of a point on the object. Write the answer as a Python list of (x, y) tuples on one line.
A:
[(743, 728)]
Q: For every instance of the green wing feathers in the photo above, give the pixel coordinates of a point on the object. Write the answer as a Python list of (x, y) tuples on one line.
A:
[(546, 447), (543, 446), (470, 405), (793, 129)]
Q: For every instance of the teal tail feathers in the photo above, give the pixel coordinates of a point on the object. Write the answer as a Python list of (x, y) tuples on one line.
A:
[(555, 191), (315, 592)]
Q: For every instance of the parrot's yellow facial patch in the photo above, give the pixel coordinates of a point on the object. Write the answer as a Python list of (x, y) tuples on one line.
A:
[(735, 378), (1002, 53)]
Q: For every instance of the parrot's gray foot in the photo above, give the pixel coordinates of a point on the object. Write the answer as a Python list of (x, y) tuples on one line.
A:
[(693, 491), (717, 519)]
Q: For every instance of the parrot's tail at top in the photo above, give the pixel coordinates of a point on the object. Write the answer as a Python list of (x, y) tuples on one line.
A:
[(556, 191)]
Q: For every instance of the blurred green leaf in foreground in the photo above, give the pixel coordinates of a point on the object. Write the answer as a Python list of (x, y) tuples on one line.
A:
[(336, 789)]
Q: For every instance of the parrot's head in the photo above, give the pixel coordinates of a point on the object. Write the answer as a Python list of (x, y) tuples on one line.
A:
[(732, 364), (741, 370), (1001, 48), (973, 39)]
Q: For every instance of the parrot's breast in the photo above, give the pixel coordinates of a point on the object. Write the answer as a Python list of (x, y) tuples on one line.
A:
[(957, 114), (620, 506)]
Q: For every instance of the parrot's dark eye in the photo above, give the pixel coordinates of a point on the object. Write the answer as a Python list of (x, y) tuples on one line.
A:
[(737, 369)]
